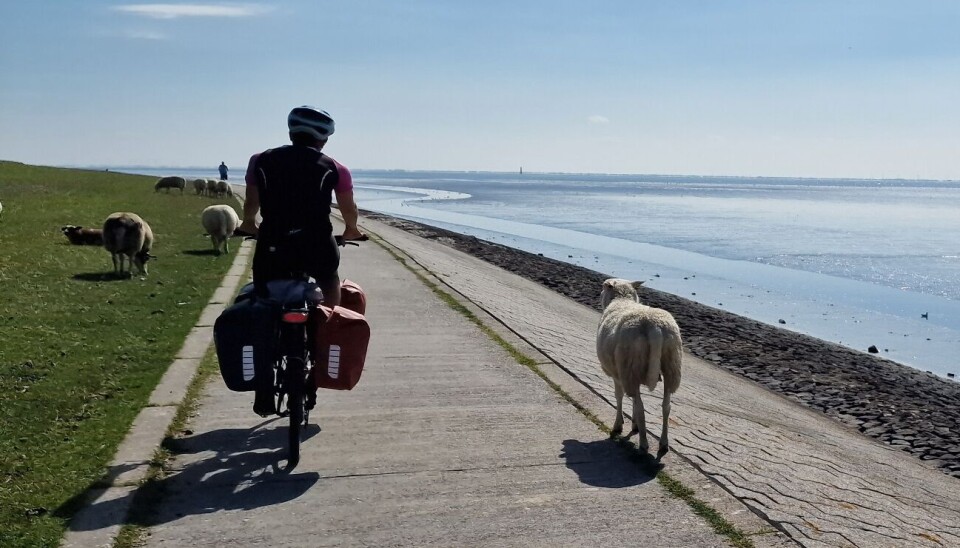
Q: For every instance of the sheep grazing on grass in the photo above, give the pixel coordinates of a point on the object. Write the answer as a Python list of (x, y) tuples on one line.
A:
[(211, 187), (220, 221), (200, 186), (170, 182), (637, 345), (127, 235), (82, 236), (223, 189)]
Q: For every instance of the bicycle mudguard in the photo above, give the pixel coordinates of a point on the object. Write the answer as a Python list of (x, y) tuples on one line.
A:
[(340, 342)]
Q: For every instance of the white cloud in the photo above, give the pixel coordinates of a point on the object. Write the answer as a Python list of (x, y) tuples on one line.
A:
[(173, 11), (597, 119), (145, 35)]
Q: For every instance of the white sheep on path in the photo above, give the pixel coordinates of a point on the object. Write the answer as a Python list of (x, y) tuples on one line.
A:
[(637, 345), (127, 235), (220, 221)]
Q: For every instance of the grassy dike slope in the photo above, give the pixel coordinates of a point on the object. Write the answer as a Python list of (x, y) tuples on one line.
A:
[(80, 350)]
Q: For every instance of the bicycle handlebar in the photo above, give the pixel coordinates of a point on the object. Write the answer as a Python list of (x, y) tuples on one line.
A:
[(338, 238)]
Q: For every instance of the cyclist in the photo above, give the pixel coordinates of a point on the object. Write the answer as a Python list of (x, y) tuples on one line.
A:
[(291, 187)]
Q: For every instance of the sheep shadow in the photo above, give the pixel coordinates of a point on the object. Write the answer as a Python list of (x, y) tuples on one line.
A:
[(201, 252), (612, 463), (101, 276), (237, 469)]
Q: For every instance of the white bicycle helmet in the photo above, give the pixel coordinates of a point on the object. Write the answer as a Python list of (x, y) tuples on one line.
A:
[(307, 119)]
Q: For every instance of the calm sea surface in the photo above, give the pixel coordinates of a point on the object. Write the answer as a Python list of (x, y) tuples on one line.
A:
[(857, 262)]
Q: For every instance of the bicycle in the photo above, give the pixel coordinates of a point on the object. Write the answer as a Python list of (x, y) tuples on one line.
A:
[(297, 298)]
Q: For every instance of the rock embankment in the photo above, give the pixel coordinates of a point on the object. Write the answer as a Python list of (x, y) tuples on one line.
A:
[(915, 411)]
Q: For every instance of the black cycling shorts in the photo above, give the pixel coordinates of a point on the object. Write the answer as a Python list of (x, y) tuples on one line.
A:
[(316, 256)]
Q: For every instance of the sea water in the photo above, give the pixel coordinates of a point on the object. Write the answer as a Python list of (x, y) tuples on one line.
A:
[(857, 262)]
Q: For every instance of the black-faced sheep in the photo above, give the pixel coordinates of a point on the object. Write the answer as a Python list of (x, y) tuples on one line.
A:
[(170, 182), (637, 345), (220, 221), (127, 235), (199, 186), (83, 236)]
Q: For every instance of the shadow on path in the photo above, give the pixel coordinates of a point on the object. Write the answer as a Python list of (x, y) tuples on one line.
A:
[(609, 463), (239, 469)]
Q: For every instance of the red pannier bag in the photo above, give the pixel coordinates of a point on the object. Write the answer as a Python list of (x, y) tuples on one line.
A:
[(352, 297), (340, 347)]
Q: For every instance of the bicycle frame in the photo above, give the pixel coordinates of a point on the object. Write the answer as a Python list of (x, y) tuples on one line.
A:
[(293, 372)]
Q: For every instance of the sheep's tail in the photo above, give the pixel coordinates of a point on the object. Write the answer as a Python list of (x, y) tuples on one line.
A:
[(119, 231), (672, 356), (653, 362)]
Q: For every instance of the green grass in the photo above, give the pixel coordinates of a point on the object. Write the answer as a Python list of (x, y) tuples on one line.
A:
[(80, 351)]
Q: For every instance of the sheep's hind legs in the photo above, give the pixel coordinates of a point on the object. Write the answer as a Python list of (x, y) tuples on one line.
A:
[(639, 425), (664, 439), (618, 423)]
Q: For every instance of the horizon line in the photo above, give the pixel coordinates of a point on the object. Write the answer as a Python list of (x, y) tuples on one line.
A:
[(611, 174), (119, 167)]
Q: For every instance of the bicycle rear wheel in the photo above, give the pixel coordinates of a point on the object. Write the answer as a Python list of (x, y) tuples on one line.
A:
[(295, 404)]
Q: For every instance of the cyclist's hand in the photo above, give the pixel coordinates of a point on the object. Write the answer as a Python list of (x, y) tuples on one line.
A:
[(354, 234), (248, 227)]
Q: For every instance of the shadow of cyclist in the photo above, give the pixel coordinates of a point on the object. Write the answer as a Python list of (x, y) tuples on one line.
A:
[(231, 469)]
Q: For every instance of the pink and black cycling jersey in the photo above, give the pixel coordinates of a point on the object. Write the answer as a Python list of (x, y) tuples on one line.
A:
[(295, 185), (344, 181)]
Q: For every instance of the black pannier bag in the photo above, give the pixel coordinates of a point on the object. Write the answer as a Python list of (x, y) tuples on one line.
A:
[(245, 335)]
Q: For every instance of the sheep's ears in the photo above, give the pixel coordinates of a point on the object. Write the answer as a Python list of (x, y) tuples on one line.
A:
[(608, 283), (636, 285)]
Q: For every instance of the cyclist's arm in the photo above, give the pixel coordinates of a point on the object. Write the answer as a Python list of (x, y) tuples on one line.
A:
[(350, 214), (346, 203)]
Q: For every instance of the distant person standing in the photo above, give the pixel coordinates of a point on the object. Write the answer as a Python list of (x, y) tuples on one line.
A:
[(223, 171)]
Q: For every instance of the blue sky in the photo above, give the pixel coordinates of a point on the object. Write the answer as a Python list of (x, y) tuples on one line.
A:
[(843, 88)]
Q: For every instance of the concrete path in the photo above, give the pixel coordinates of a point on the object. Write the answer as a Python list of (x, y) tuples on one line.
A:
[(446, 441), (811, 477)]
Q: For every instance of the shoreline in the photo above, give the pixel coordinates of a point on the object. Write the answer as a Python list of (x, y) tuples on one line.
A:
[(911, 410)]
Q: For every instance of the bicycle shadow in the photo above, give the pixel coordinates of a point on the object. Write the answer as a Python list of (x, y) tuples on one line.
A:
[(231, 469), (610, 463)]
